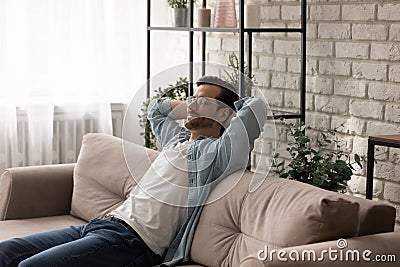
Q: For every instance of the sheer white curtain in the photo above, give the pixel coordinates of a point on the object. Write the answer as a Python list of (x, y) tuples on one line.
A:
[(73, 55)]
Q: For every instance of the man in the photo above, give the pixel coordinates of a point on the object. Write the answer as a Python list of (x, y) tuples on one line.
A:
[(215, 152), (159, 217)]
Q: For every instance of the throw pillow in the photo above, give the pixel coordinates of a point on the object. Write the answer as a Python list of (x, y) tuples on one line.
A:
[(287, 213), (102, 179)]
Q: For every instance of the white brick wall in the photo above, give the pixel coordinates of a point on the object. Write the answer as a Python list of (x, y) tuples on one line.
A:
[(358, 12), (352, 125), (392, 113), (374, 109), (374, 32), (394, 73), (381, 127), (331, 104), (352, 50), (319, 49), (371, 71), (384, 91), (319, 85), (390, 12), (353, 75), (350, 87), (333, 67), (389, 52), (272, 63), (285, 81), (334, 30), (394, 32), (324, 12), (286, 47)]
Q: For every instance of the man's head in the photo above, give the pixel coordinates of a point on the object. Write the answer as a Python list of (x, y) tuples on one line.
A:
[(212, 106)]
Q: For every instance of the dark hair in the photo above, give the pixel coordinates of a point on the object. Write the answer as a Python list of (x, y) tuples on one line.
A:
[(228, 94), (228, 97)]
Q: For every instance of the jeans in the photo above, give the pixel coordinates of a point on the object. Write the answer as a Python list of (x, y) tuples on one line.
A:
[(98, 243)]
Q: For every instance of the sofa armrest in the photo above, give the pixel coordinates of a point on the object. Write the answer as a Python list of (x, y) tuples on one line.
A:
[(36, 191), (382, 246)]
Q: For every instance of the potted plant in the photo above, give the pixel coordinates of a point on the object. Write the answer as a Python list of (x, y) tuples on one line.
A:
[(174, 91), (233, 77), (323, 165), (179, 12)]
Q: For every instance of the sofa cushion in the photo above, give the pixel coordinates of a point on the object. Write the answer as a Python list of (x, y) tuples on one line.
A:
[(18, 228), (280, 213), (102, 179), (289, 213)]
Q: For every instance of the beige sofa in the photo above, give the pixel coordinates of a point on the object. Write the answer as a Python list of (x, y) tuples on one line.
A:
[(280, 223)]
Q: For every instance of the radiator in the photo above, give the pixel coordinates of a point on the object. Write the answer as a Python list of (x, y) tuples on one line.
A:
[(67, 137), (68, 134)]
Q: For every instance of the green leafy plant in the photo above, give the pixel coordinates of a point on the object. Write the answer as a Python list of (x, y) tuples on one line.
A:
[(316, 164), (233, 77), (178, 3), (177, 91)]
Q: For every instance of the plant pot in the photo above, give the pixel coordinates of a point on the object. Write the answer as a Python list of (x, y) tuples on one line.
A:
[(179, 17)]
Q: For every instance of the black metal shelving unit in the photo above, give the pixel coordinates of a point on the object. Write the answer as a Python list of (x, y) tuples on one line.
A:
[(242, 31)]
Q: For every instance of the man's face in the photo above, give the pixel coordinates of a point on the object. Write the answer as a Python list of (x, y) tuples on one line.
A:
[(204, 110)]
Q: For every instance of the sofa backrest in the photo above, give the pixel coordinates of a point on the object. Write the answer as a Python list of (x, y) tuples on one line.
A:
[(280, 213)]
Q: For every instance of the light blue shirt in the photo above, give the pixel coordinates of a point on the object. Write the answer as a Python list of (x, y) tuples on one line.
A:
[(209, 159)]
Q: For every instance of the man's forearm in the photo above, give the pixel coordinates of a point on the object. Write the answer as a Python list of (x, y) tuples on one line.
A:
[(162, 120), (179, 108)]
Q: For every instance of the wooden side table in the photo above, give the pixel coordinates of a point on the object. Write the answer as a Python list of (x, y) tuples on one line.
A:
[(377, 140)]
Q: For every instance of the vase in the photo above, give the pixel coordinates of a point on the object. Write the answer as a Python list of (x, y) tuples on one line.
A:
[(204, 17), (225, 14), (179, 17)]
